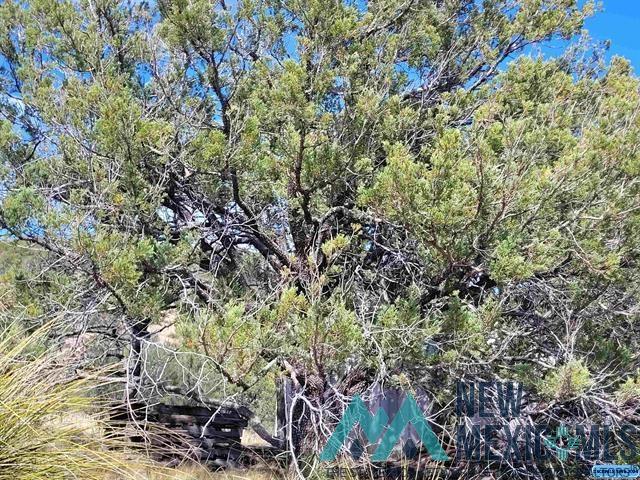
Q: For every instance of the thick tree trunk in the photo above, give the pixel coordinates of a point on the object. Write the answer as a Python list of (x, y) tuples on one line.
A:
[(139, 332)]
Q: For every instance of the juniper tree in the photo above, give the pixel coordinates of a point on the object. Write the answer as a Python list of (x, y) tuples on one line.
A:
[(331, 192)]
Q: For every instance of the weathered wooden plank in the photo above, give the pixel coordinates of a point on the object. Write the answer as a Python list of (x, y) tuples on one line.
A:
[(202, 412), (213, 444), (213, 432), (173, 419), (208, 434)]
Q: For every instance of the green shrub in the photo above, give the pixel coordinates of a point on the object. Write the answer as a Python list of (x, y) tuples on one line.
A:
[(567, 381), (629, 391)]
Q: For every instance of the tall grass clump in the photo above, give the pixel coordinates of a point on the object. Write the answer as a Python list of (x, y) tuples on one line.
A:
[(50, 425)]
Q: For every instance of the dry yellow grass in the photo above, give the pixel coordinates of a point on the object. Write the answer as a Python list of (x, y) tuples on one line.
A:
[(46, 427), (249, 437), (196, 472)]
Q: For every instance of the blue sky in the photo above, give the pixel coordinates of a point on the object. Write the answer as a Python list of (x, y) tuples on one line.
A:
[(620, 23)]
